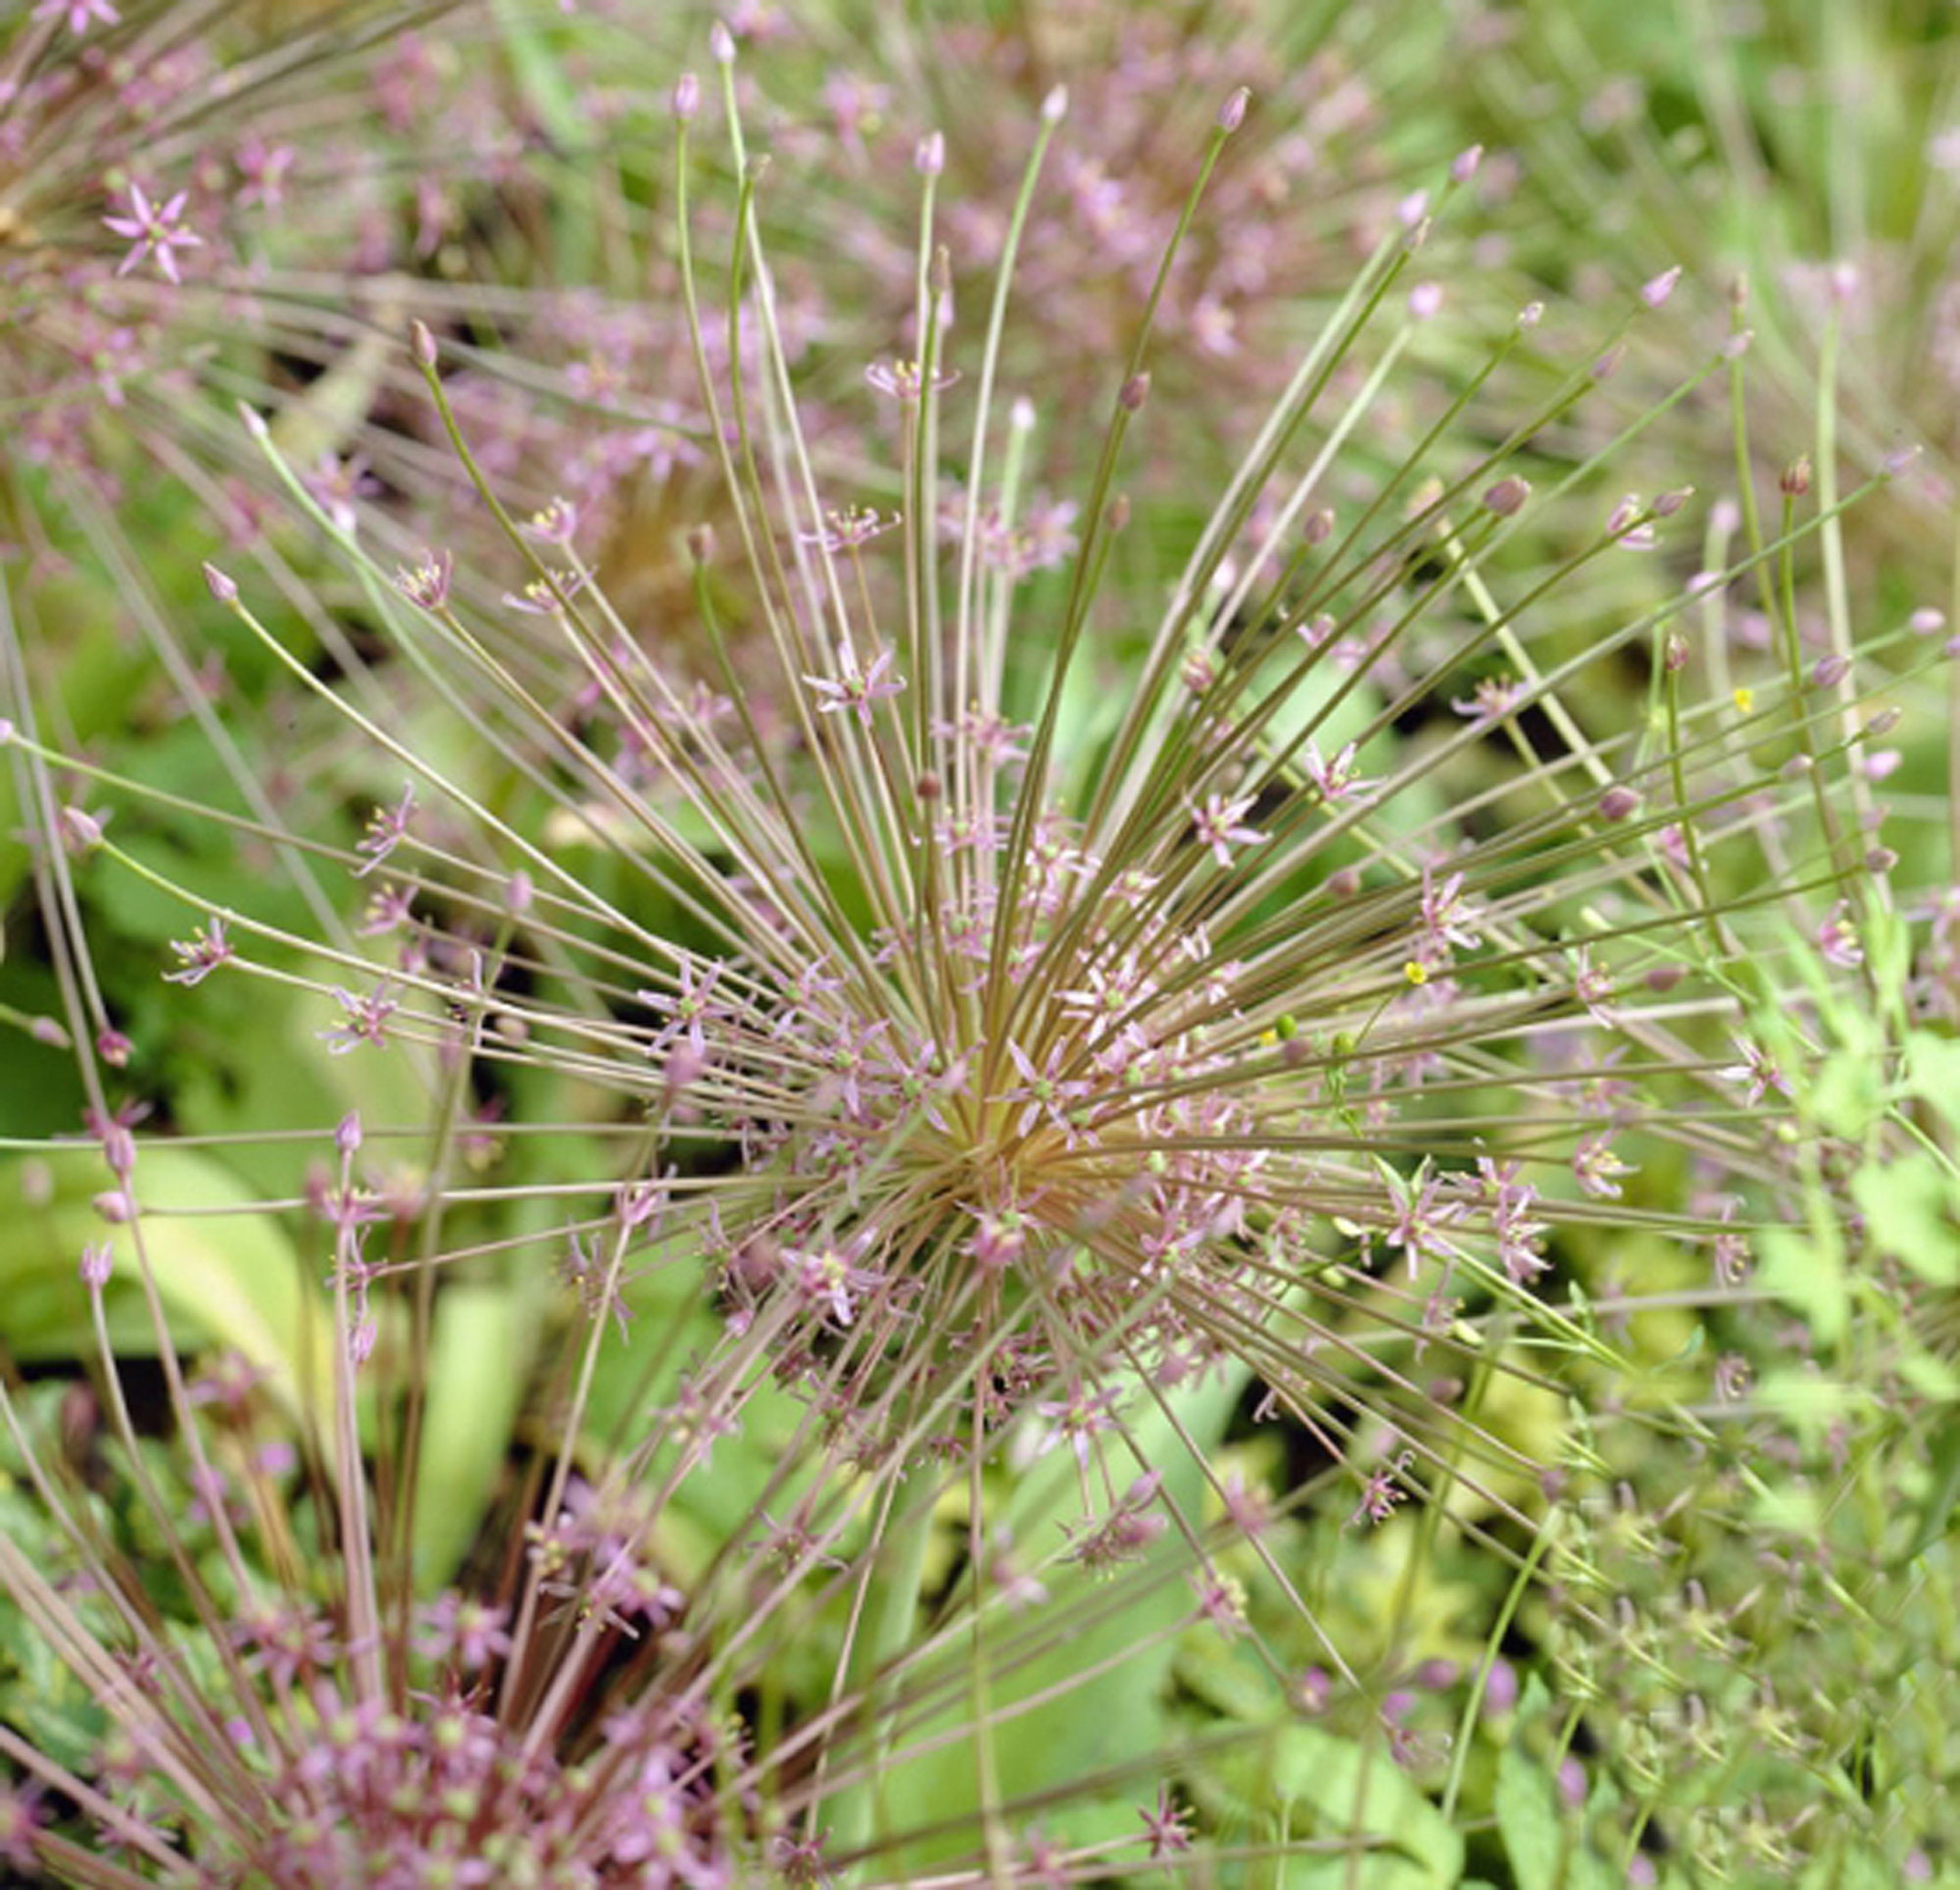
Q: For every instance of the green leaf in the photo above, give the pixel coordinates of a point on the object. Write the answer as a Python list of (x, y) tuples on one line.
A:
[(478, 1366), (1935, 1514), (1527, 1807), (1809, 1273), (1352, 1791), (1908, 1204), (1090, 1702), (226, 1275), (1932, 1073)]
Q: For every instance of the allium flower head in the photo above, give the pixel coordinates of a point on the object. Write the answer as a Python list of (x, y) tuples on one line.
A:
[(1156, 1041)]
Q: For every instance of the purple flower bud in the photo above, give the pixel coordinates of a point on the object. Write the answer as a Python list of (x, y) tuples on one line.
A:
[(46, 1030), (80, 831), (1797, 767), (1899, 462), (421, 344), (1844, 282), (519, 891), (1021, 415), (1618, 801), (1508, 494), (1136, 391), (1608, 363), (1464, 166), (929, 159), (1412, 209), (1055, 106), (1530, 316), (220, 586), (721, 43), (1794, 481), (1425, 300), (1885, 721), (347, 1138), (700, 544), (98, 1262), (1738, 344), (1662, 978), (1674, 653), (1571, 1783), (1319, 526), (254, 422), (1667, 503), (686, 97), (1232, 114), (1924, 622), (113, 1048), (112, 1205), (118, 1151), (1830, 671), (1500, 1688), (1657, 289), (1880, 859)]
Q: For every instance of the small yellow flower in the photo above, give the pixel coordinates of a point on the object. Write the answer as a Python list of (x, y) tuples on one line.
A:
[(1416, 972), (1745, 699)]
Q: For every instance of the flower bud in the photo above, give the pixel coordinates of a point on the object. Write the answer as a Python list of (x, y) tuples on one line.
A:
[(686, 98), (80, 831), (347, 1136), (929, 159), (421, 344), (220, 586), (1055, 106), (1464, 166), (1657, 289), (1795, 480), (1232, 114), (1618, 801), (1136, 391), (721, 43), (1508, 494)]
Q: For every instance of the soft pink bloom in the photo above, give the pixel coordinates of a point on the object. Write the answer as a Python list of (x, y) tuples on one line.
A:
[(155, 231)]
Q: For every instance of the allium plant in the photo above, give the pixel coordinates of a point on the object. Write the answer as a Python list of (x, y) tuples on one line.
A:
[(1281, 986)]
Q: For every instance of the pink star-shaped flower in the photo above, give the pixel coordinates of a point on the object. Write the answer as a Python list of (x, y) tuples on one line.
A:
[(80, 14), (154, 231)]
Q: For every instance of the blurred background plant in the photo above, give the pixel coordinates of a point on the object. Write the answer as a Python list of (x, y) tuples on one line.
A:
[(1582, 1524)]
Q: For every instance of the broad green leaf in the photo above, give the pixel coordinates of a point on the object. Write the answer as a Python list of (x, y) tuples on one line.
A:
[(226, 1275), (1111, 1720), (478, 1366), (1527, 1819)]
